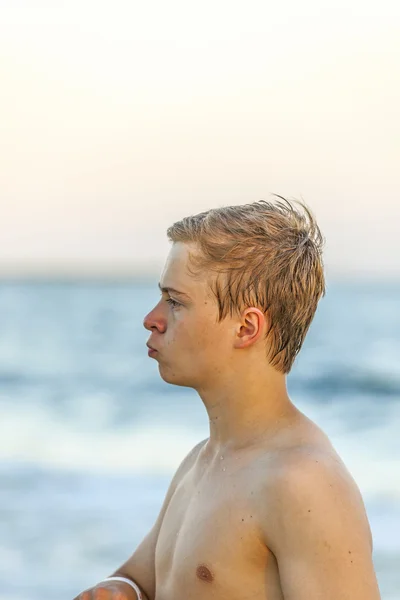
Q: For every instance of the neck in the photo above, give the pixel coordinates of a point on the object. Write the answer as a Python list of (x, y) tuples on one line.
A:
[(245, 404)]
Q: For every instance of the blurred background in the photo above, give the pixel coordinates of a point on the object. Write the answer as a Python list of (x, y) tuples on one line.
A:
[(117, 119)]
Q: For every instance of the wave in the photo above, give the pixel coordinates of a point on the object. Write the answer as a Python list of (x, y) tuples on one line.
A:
[(89, 442), (45, 439), (349, 384)]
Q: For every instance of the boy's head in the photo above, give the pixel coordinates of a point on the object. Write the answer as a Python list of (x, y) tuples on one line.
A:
[(253, 276)]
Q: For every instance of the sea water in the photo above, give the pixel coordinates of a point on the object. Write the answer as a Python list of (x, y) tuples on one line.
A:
[(90, 435)]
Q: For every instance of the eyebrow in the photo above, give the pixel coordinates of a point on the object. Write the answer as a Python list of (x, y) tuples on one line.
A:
[(173, 290)]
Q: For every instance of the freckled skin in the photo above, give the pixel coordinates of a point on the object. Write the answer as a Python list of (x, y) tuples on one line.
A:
[(218, 552), (210, 545)]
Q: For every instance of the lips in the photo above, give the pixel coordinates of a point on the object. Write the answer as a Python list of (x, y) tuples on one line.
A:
[(150, 347)]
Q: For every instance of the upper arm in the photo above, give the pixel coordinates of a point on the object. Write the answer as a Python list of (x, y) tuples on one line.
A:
[(320, 533), (141, 565)]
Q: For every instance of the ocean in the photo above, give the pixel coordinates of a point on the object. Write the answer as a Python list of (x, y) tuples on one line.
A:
[(90, 435)]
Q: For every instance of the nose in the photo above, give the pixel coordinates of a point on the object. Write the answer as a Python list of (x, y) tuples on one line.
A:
[(154, 320)]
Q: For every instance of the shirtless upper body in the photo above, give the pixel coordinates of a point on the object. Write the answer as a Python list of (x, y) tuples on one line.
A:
[(280, 520), (263, 509)]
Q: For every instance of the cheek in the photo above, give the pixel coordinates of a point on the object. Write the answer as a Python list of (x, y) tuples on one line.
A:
[(178, 331), (210, 339), (190, 334)]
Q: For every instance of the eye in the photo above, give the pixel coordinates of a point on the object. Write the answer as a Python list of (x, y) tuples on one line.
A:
[(172, 302)]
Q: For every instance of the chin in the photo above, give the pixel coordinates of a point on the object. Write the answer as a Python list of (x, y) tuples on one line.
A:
[(175, 378)]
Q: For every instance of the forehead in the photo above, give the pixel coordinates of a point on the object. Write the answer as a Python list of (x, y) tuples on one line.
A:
[(176, 272)]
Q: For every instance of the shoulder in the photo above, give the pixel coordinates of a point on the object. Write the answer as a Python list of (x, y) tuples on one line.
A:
[(311, 491), (194, 452), (297, 469), (184, 467), (305, 467), (188, 461)]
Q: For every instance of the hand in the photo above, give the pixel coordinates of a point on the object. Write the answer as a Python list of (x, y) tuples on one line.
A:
[(110, 590)]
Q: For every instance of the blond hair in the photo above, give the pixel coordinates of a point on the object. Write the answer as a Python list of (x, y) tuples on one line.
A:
[(264, 254)]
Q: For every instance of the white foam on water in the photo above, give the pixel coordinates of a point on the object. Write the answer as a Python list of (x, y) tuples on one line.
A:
[(38, 438)]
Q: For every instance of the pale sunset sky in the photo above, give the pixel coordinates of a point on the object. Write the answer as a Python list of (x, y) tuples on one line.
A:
[(118, 118)]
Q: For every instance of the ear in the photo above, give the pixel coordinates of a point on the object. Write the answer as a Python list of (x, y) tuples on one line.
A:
[(251, 327)]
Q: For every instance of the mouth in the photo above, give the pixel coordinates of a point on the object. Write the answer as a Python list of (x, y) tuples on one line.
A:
[(152, 350)]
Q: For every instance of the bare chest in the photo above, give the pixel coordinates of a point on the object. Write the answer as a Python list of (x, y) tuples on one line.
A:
[(210, 544)]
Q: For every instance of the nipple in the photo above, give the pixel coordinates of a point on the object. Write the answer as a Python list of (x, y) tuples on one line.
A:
[(204, 574)]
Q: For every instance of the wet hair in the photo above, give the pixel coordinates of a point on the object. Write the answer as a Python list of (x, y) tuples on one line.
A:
[(263, 254)]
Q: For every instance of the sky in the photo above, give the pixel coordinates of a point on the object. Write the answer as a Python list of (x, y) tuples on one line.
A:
[(119, 118)]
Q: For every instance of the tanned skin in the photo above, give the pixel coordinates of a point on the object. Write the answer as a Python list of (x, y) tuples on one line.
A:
[(264, 508)]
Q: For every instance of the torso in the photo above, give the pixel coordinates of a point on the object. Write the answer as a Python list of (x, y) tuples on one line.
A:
[(210, 543)]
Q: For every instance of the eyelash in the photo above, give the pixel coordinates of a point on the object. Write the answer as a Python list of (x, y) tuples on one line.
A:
[(172, 302)]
